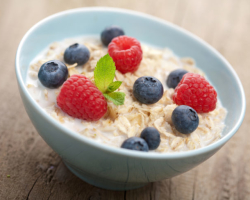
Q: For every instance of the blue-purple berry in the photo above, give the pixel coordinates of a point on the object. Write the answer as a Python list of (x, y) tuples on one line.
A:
[(175, 77), (135, 143), (185, 119), (53, 74), (152, 136), (148, 90), (76, 53), (109, 33)]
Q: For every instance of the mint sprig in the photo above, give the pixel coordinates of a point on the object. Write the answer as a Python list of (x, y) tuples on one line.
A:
[(104, 75), (113, 86), (116, 97)]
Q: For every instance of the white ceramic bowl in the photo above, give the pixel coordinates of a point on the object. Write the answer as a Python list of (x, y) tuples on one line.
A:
[(116, 168)]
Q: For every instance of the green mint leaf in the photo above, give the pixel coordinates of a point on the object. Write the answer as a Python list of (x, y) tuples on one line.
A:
[(113, 86), (104, 72), (104, 75), (116, 97)]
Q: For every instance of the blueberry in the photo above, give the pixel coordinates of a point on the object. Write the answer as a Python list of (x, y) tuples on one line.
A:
[(52, 74), (135, 143), (185, 119), (147, 89), (76, 53), (175, 77), (152, 136), (110, 33)]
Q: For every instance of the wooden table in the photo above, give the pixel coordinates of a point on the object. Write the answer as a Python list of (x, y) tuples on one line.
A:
[(36, 171)]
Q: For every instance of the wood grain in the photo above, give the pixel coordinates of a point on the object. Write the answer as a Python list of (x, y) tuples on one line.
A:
[(36, 172)]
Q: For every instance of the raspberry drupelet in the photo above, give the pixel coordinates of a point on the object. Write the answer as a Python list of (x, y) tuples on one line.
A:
[(80, 98), (126, 53), (195, 91)]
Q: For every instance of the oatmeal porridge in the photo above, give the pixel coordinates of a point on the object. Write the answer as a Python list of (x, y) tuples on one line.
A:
[(128, 120)]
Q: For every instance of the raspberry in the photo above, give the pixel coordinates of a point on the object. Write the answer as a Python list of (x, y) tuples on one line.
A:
[(195, 91), (126, 53), (80, 98)]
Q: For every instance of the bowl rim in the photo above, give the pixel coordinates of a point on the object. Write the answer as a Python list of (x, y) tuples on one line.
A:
[(115, 150)]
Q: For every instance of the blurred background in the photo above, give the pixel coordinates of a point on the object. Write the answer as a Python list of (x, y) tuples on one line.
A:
[(36, 172)]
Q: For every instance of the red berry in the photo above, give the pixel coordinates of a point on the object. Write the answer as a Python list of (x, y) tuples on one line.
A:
[(126, 53), (195, 91), (80, 98)]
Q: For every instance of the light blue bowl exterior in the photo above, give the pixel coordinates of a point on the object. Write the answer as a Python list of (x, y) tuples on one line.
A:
[(114, 168)]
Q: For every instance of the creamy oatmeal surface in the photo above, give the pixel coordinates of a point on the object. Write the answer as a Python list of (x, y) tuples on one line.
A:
[(122, 122)]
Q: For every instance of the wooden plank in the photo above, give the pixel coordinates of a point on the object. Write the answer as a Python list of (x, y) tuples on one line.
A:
[(36, 172)]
